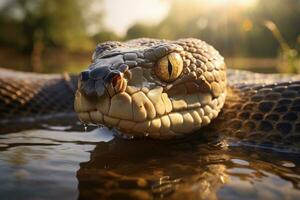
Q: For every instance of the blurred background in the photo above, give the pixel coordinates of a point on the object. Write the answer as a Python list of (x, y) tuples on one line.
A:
[(60, 35)]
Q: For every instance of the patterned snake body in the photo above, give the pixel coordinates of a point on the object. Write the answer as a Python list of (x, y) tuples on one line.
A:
[(163, 89)]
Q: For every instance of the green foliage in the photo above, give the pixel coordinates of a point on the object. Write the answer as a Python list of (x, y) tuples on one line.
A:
[(11, 33), (64, 27), (57, 23), (288, 57), (105, 35), (140, 30), (234, 31)]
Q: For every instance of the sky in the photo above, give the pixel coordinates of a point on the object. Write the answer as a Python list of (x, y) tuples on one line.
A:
[(121, 14)]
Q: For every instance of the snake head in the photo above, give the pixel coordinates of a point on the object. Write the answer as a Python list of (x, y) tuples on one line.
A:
[(156, 88)]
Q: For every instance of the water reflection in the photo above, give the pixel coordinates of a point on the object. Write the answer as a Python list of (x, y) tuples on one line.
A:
[(43, 164), (187, 169)]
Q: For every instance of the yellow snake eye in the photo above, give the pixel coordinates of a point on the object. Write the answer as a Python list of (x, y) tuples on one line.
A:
[(169, 67)]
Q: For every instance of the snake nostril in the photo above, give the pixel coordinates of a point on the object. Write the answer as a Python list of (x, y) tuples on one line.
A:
[(116, 80), (108, 78), (84, 76)]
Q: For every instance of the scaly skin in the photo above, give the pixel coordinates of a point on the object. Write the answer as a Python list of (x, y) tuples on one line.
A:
[(27, 100), (137, 102), (261, 108)]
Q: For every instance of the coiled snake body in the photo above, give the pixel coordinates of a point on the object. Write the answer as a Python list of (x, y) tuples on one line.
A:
[(163, 89)]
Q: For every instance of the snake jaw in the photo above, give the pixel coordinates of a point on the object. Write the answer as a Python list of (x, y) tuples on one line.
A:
[(153, 112)]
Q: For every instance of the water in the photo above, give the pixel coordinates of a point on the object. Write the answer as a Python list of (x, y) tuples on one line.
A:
[(61, 164)]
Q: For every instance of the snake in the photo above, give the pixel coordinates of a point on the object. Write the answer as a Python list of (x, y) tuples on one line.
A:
[(160, 89)]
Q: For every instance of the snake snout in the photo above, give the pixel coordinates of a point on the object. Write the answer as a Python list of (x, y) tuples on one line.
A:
[(98, 80)]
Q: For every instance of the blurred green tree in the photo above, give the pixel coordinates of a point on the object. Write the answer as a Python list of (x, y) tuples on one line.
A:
[(60, 23), (141, 30), (36, 24), (105, 35)]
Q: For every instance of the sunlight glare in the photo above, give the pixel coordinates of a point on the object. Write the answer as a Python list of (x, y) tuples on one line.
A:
[(120, 14), (245, 3)]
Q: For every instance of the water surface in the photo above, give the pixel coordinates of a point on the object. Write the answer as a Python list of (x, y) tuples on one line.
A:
[(56, 164)]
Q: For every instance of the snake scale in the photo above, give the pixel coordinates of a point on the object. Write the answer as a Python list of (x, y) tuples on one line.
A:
[(160, 89)]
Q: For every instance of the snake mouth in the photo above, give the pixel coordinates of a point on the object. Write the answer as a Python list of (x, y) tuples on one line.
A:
[(150, 113)]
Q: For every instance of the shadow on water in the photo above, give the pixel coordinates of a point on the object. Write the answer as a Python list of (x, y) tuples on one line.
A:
[(189, 169)]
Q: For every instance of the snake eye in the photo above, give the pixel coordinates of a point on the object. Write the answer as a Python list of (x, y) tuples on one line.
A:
[(169, 67)]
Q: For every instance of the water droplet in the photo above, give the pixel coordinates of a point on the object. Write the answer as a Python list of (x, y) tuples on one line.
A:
[(57, 128), (222, 179), (164, 179), (240, 162), (85, 127), (288, 164), (100, 126)]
